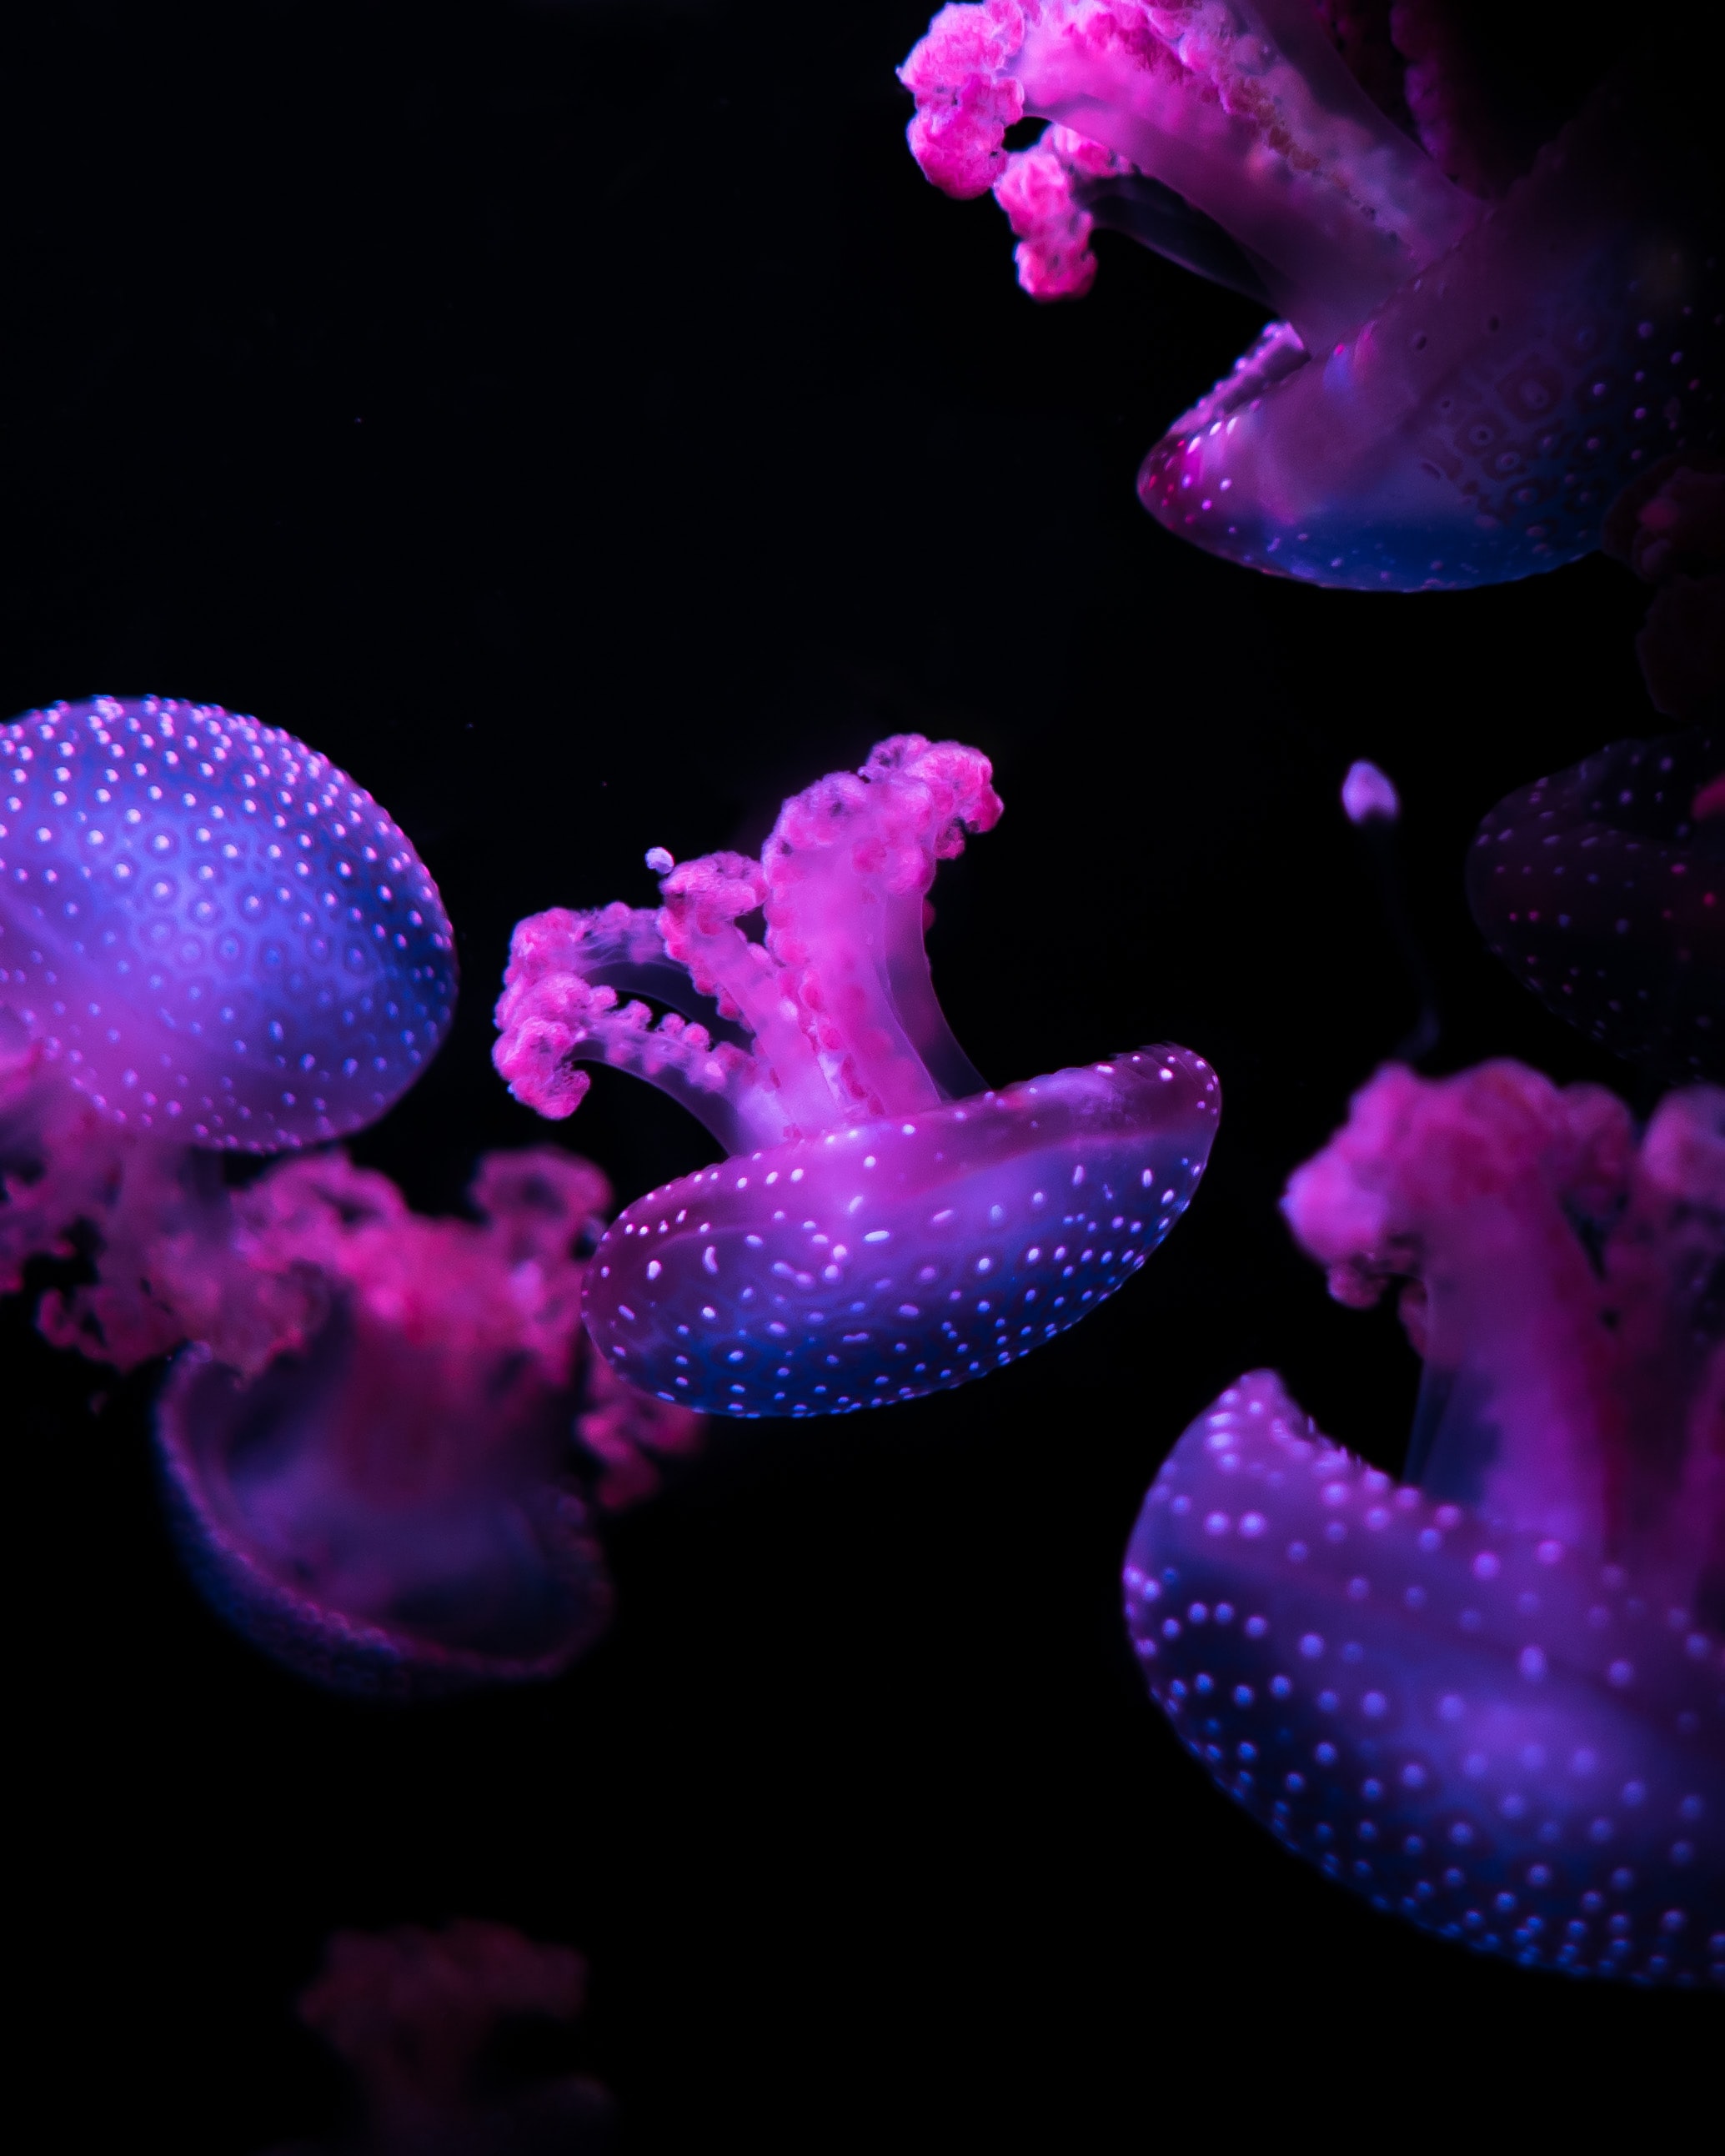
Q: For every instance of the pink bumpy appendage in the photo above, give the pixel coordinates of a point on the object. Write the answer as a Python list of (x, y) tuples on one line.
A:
[(886, 1226), (1455, 396), (1491, 1697), (382, 1495)]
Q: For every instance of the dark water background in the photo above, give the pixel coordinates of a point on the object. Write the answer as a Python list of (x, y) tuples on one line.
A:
[(584, 423)]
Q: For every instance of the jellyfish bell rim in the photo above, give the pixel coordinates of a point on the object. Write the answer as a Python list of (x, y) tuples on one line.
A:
[(1434, 329), (357, 1656), (1200, 1535), (1095, 1102)]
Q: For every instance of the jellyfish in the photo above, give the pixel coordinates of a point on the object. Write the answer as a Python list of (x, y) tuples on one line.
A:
[(1669, 527), (883, 1224), (1489, 1697), (1603, 890), (367, 1450), (417, 2014), (1470, 359), (208, 930), (211, 939)]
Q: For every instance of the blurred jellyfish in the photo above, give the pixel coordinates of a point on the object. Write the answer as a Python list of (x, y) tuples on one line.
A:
[(885, 1226), (367, 1453), (1602, 889), (1491, 1697), (210, 940), (1473, 357), (423, 2018), (1669, 527)]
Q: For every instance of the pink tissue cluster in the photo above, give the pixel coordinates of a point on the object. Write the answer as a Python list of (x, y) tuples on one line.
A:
[(383, 1492), (885, 1224), (252, 1274), (1456, 395), (837, 996), (1486, 1696), (1037, 191), (1556, 1273), (1248, 113)]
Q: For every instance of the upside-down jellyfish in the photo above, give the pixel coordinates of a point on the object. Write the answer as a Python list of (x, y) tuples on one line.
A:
[(1471, 360), (416, 2015), (1602, 889), (1491, 1697), (884, 1225), (367, 1453)]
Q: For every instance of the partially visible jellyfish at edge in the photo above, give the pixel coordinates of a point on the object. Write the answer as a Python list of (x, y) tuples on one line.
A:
[(423, 2019), (1669, 528), (211, 939), (1489, 1697), (884, 1225), (1601, 888), (208, 930), (380, 1451), (383, 1492), (1471, 360)]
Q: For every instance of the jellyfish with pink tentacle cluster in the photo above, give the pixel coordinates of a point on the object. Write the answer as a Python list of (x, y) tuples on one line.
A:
[(1490, 1695), (370, 1453), (883, 1224), (1475, 351), (211, 941)]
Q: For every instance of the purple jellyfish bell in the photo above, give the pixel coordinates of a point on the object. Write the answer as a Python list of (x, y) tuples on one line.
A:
[(1470, 364), (376, 1489), (1491, 1697), (1603, 890), (214, 934), (884, 1225)]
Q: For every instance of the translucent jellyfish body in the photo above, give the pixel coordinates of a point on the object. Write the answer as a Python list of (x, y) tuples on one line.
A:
[(1492, 1696), (376, 1486), (1603, 888), (207, 929), (1471, 365), (884, 1225)]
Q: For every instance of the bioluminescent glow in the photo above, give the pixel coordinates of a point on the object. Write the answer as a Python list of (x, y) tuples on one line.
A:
[(1471, 360), (884, 1225), (1492, 1696), (209, 931), (1603, 888), (210, 939)]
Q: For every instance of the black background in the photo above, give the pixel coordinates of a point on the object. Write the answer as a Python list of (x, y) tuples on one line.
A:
[(584, 423)]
